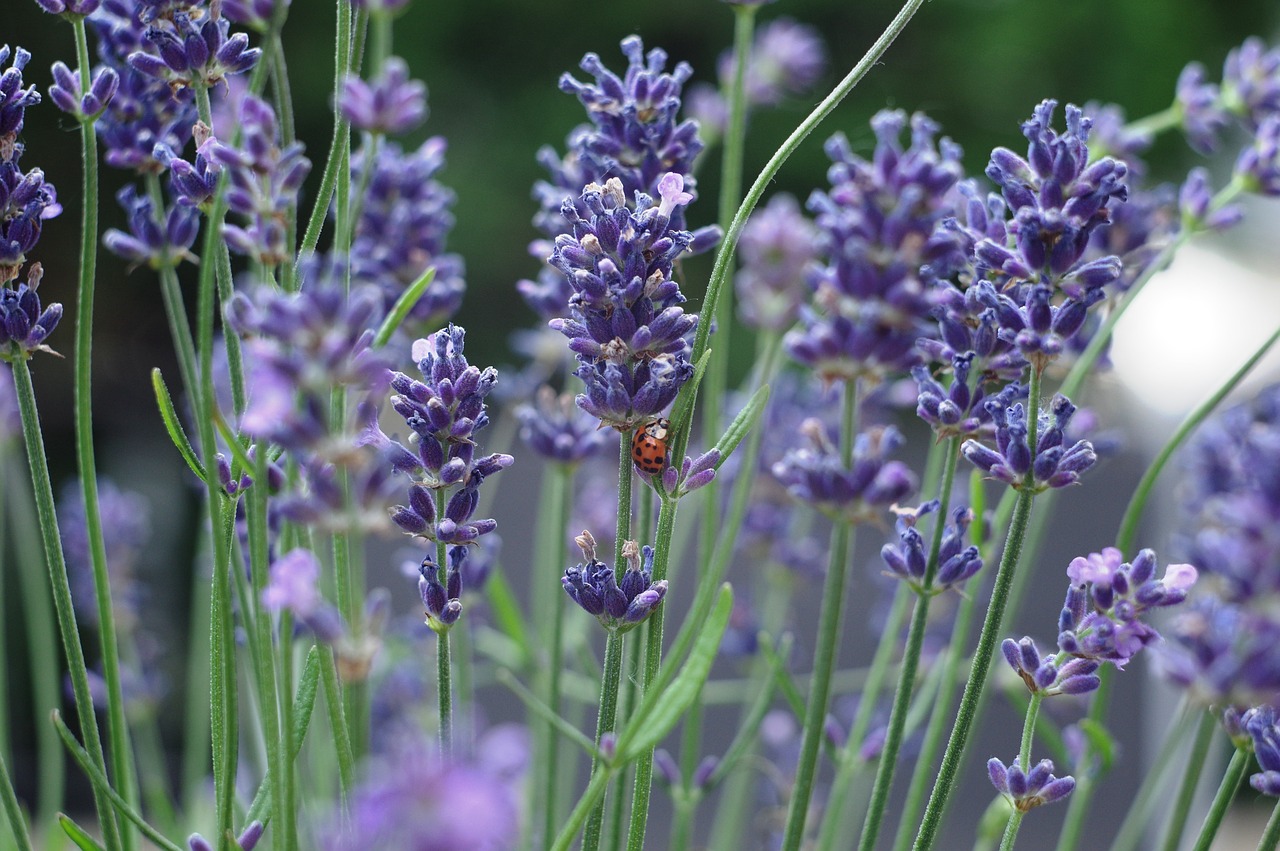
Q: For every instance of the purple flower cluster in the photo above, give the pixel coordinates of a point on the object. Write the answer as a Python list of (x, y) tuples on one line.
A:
[(413, 798), (619, 605), (442, 601), (444, 411), (126, 529), (908, 559), (961, 409), (264, 183), (1027, 790), (292, 585), (390, 105), (690, 474), (876, 225), (144, 111), (1102, 616), (558, 430), (24, 324), (158, 241), (625, 322), (1224, 648), (69, 96), (26, 201), (1053, 675), (14, 100), (635, 136), (1263, 729), (1250, 92), (815, 474), (1053, 464), (404, 220), (1101, 620), (1016, 275), (194, 47), (778, 245), (299, 348)]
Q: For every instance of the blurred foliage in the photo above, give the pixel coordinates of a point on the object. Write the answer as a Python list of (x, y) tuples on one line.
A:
[(491, 66)]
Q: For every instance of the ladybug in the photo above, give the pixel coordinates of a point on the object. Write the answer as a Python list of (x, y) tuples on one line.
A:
[(649, 446)]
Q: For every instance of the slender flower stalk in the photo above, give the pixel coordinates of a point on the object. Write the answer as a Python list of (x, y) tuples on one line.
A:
[(910, 661), (1222, 799), (982, 656), (118, 732), (43, 490), (830, 616)]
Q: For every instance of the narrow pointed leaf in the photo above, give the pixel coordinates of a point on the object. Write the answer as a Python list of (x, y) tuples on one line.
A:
[(746, 420), (660, 710), (173, 426)]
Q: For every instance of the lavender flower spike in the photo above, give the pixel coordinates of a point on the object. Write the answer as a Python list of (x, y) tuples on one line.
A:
[(1261, 724), (24, 326), (815, 475), (445, 411), (594, 586), (68, 96), (1027, 790), (392, 104), (1051, 466), (1102, 616)]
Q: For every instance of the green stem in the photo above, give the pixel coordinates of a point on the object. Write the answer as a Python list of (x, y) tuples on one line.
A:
[(605, 722), (941, 711), (12, 811), (1011, 830), (444, 669), (42, 654), (1222, 800), (224, 720), (66, 616), (337, 721), (1271, 836), (117, 727), (830, 616), (652, 663), (560, 496), (720, 271), (1129, 523), (1151, 793), (837, 815), (340, 143), (267, 650), (1190, 779), (981, 664), (910, 660), (195, 738)]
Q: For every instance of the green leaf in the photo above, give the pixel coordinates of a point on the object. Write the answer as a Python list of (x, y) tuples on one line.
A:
[(506, 613), (173, 426), (749, 729), (682, 409), (303, 704), (81, 756), (746, 420), (403, 305), (660, 710), (1100, 743), (77, 834)]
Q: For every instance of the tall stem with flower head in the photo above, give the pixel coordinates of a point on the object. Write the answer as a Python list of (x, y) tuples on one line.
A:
[(830, 616)]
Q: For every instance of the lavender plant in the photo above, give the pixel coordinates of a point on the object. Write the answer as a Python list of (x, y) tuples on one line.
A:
[(295, 302)]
